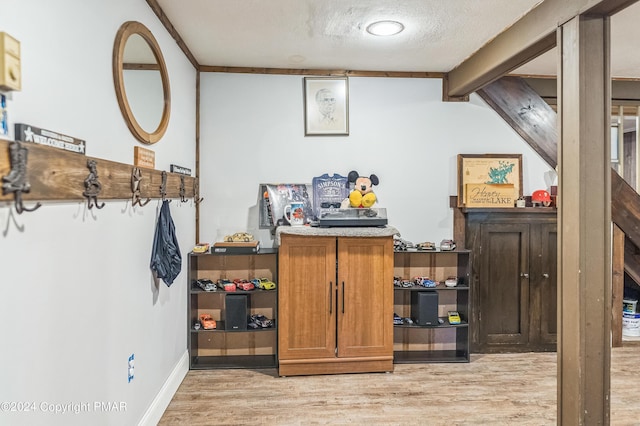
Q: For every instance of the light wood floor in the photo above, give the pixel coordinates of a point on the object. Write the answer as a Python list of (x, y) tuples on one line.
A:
[(500, 389)]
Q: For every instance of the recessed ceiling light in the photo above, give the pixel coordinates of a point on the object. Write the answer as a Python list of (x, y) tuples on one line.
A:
[(385, 28)]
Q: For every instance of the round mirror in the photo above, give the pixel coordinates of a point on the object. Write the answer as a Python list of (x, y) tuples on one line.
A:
[(141, 82)]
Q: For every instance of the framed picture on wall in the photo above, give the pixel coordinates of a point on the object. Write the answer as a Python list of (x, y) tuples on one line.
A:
[(326, 106), (489, 169)]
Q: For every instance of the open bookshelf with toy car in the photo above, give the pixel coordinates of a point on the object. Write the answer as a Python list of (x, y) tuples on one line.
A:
[(232, 310), (431, 306)]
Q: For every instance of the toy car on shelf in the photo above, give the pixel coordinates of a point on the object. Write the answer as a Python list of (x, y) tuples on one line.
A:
[(400, 244), (244, 285), (400, 282), (451, 281), (201, 248), (454, 317), (425, 282), (226, 285), (260, 321), (447, 245), (206, 284), (406, 283), (264, 283), (207, 322), (239, 237), (426, 246)]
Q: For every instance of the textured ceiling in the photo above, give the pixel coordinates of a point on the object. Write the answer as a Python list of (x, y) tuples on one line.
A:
[(330, 34)]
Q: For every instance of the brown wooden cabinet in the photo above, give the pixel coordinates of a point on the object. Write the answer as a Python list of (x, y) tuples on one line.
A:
[(514, 279), (335, 302)]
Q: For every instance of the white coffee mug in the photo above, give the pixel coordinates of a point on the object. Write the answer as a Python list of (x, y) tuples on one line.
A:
[(294, 213)]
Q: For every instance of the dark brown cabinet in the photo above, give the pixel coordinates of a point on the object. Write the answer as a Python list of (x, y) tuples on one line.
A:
[(514, 279)]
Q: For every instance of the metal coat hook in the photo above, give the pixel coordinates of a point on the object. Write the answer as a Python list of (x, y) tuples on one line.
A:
[(196, 192), (136, 177), (163, 186), (92, 185), (183, 191), (16, 180)]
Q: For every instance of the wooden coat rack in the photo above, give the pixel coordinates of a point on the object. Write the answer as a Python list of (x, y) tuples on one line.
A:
[(58, 175)]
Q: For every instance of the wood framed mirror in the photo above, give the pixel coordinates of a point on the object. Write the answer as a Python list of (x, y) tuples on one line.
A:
[(141, 82)]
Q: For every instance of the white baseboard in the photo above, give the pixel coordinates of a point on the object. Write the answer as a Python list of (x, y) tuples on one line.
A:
[(163, 398)]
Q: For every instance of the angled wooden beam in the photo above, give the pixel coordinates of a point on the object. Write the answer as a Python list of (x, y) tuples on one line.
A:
[(527, 113), (526, 39), (625, 207), (631, 260)]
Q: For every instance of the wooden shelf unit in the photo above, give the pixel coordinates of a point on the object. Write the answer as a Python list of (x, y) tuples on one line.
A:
[(433, 343), (222, 348)]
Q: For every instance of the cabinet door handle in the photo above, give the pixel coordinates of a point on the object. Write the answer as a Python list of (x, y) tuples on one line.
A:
[(343, 297), (545, 275), (330, 297), (523, 275)]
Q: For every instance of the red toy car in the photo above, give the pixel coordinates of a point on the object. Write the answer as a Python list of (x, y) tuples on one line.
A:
[(208, 323), (244, 285)]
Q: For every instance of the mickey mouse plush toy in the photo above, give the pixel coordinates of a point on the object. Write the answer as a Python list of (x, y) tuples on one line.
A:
[(362, 195)]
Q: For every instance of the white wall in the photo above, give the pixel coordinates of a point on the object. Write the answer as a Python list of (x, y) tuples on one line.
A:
[(77, 297), (252, 131)]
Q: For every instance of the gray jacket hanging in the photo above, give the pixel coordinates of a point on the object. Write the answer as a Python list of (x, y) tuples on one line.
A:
[(166, 260)]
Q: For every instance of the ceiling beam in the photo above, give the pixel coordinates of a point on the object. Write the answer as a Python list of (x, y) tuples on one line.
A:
[(625, 92), (320, 72), (526, 39), (153, 4)]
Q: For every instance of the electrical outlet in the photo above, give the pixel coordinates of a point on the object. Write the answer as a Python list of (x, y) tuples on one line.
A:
[(130, 367)]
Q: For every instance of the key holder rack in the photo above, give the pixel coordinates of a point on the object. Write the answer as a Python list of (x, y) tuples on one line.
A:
[(92, 186), (16, 181), (57, 175), (183, 190), (163, 186), (196, 192), (136, 177)]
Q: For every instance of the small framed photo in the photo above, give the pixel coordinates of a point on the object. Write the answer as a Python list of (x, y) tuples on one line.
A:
[(326, 106)]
